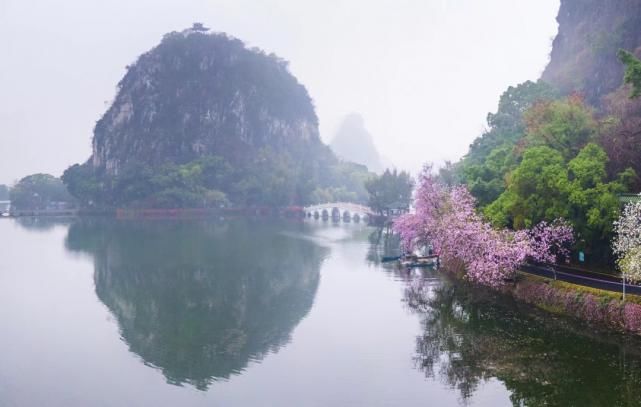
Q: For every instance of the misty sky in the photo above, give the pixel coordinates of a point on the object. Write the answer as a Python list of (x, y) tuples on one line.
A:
[(423, 73)]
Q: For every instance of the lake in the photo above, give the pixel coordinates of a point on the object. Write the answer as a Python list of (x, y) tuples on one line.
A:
[(256, 312)]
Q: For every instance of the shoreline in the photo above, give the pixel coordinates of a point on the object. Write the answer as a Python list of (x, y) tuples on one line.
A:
[(589, 305)]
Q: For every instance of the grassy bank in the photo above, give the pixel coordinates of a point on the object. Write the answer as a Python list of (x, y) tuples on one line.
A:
[(588, 304)]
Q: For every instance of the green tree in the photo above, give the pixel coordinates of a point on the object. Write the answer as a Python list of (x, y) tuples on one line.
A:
[(515, 101), (544, 187), (492, 156), (632, 74), (39, 191), (83, 184), (593, 201), (486, 181), (506, 126), (537, 190), (391, 190), (565, 125), (195, 184)]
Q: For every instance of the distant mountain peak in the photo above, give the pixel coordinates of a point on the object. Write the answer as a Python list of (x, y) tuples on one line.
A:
[(354, 143)]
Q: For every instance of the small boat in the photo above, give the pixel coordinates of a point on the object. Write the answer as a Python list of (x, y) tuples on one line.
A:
[(420, 261), (387, 259)]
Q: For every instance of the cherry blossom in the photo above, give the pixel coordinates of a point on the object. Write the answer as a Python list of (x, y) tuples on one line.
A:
[(549, 242), (446, 218)]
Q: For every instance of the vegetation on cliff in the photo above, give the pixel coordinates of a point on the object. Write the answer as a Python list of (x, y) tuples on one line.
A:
[(492, 155), (568, 144), (553, 165), (202, 120), (632, 72)]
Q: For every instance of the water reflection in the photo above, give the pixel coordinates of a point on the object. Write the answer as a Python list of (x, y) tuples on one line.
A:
[(43, 224), (382, 242), (471, 335), (200, 300)]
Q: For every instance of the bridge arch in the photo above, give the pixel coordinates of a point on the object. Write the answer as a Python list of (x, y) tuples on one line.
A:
[(346, 211)]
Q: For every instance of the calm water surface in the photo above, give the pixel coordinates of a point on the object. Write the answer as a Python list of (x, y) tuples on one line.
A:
[(269, 313)]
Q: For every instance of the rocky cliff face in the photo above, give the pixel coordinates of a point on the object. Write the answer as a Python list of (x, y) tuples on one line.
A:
[(199, 94), (202, 121), (583, 57)]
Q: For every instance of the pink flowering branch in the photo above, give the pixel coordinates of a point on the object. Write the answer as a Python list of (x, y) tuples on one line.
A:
[(550, 242), (446, 218)]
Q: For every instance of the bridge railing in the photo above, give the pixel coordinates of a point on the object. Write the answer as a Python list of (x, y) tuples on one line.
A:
[(341, 206)]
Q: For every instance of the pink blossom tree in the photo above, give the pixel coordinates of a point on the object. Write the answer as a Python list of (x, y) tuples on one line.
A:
[(550, 242), (446, 218)]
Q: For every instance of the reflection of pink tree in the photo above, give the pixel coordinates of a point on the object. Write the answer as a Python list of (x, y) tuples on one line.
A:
[(447, 219)]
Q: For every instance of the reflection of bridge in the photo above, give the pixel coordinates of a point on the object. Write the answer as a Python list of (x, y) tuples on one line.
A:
[(337, 210)]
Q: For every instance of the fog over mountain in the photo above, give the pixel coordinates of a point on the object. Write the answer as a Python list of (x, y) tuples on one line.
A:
[(353, 142), (200, 120), (407, 67)]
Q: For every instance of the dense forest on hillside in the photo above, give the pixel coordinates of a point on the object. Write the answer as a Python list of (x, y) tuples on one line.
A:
[(203, 121), (567, 145)]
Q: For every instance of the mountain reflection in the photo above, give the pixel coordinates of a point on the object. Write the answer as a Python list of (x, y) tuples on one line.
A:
[(200, 300), (472, 335)]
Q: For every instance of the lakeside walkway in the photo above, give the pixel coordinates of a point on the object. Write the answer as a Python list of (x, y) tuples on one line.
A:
[(584, 278)]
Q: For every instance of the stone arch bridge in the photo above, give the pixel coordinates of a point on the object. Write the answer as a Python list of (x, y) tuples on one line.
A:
[(339, 210)]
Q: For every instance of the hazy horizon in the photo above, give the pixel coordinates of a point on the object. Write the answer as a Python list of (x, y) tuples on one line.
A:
[(407, 68)]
